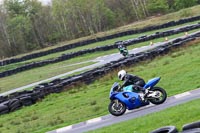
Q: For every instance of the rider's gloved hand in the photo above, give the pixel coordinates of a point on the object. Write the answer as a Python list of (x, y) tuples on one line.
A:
[(119, 88)]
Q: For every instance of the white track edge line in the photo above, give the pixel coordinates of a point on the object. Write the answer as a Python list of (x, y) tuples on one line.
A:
[(61, 130), (94, 120), (182, 95)]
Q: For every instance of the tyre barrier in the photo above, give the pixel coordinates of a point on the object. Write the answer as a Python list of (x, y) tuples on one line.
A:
[(3, 98), (3, 109), (187, 128), (167, 129), (102, 48), (98, 39), (12, 104), (191, 126), (16, 100), (195, 130), (26, 98)]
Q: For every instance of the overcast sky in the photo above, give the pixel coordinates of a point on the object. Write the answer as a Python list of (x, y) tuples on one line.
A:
[(45, 2)]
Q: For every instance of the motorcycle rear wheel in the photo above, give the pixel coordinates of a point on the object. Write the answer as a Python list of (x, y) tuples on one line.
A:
[(116, 109), (162, 98)]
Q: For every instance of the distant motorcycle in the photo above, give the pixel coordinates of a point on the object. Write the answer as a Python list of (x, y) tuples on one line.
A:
[(126, 99), (122, 48), (123, 51)]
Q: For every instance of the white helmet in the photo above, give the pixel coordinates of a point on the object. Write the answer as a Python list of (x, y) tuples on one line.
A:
[(121, 74)]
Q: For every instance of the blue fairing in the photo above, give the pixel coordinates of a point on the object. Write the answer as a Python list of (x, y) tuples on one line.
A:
[(131, 102), (130, 99), (152, 82), (114, 87)]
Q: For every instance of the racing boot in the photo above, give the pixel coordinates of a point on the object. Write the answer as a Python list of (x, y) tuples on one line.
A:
[(142, 96), (144, 93)]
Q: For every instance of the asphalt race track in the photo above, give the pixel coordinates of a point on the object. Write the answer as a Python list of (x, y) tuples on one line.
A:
[(109, 119)]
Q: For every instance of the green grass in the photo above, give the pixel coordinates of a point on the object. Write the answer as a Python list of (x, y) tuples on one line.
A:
[(160, 39), (93, 45), (36, 74), (179, 71), (176, 116)]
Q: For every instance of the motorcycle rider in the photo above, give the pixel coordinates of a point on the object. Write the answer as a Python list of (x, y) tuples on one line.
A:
[(120, 45), (134, 80)]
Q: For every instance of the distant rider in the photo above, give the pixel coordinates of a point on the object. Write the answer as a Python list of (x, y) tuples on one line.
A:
[(120, 45), (130, 79)]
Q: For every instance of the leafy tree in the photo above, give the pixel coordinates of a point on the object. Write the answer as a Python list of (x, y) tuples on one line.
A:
[(180, 4), (4, 37), (22, 29), (157, 6), (81, 18), (26, 25), (14, 7), (19, 29)]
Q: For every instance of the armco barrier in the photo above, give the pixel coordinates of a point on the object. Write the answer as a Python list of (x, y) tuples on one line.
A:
[(16, 100), (98, 39), (102, 48)]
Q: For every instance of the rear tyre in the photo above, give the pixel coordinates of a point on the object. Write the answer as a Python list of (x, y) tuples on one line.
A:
[(162, 95), (116, 108)]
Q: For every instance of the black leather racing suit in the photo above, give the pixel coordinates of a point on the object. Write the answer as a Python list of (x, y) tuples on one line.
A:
[(134, 80)]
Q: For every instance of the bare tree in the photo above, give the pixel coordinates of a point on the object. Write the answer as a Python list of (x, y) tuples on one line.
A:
[(135, 8)]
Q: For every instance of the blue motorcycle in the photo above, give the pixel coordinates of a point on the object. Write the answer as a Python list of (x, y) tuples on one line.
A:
[(130, 99)]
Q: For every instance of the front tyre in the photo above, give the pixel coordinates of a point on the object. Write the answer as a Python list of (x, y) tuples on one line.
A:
[(124, 54), (161, 95), (116, 108)]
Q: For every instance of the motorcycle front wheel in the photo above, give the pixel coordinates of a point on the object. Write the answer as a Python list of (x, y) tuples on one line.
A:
[(162, 95), (116, 108), (125, 54)]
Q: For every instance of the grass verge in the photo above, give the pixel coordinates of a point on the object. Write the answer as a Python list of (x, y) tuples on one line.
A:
[(34, 75), (179, 71), (176, 116)]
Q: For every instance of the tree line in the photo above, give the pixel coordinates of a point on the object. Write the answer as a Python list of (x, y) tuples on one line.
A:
[(27, 25)]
